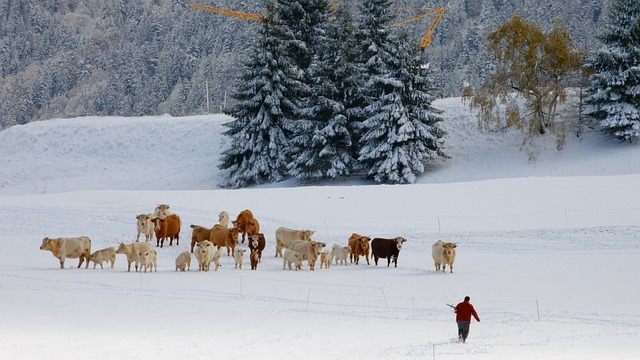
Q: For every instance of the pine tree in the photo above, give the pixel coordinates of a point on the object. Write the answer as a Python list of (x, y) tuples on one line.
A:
[(401, 133), (263, 114), (615, 87), (322, 145)]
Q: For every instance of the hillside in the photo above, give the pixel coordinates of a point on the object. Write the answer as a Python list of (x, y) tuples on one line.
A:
[(167, 153), (134, 58)]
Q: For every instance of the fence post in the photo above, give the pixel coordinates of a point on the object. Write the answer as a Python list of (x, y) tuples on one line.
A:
[(538, 309)]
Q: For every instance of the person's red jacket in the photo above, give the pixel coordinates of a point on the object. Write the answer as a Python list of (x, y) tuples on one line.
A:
[(464, 310)]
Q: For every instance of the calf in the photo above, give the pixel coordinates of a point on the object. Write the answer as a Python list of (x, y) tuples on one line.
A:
[(291, 257), (325, 259), (100, 256), (132, 252), (443, 254), (340, 253), (254, 258), (62, 248), (183, 261), (387, 248), (148, 260), (238, 256)]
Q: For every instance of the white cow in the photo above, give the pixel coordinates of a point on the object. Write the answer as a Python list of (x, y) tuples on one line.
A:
[(238, 256), (284, 237), (133, 250), (223, 218), (310, 250), (161, 211), (443, 254), (145, 226), (325, 259), (340, 253), (183, 261), (291, 257), (100, 256), (148, 260), (204, 254), (62, 248)]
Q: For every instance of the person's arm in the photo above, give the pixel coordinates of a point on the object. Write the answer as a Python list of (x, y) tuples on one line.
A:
[(475, 314)]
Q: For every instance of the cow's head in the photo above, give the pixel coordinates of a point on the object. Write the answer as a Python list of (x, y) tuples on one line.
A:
[(448, 249), (240, 252), (162, 210), (122, 248), (306, 234), (46, 244), (399, 241), (234, 231), (255, 241), (142, 218)]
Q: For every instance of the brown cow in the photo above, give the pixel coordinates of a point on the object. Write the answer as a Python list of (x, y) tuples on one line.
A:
[(199, 234), (257, 242), (223, 236), (62, 248), (243, 221), (359, 247), (167, 228)]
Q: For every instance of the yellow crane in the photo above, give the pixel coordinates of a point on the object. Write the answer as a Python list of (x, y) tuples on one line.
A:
[(437, 14)]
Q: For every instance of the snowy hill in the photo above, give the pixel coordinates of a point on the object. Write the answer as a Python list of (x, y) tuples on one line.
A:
[(167, 153), (548, 251)]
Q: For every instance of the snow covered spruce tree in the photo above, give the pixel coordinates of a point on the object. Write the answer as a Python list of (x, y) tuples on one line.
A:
[(322, 146), (615, 87), (267, 103), (400, 132)]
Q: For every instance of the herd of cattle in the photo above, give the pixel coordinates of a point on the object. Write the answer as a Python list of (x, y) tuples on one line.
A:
[(293, 246)]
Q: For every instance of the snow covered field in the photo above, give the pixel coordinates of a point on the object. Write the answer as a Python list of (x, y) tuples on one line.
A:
[(549, 252)]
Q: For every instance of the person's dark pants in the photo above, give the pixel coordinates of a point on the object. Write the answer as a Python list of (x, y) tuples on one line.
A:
[(463, 330)]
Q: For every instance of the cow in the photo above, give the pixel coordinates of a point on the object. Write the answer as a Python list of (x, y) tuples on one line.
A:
[(198, 234), (148, 260), (161, 211), (443, 254), (325, 259), (100, 256), (257, 242), (359, 245), (132, 252), (291, 257), (183, 261), (387, 248), (167, 228), (310, 250), (254, 258), (340, 253), (253, 228), (284, 237), (62, 248), (223, 236), (145, 226), (204, 254), (223, 218), (243, 221), (238, 256)]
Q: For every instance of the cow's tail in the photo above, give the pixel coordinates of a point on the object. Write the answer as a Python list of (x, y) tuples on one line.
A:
[(192, 226)]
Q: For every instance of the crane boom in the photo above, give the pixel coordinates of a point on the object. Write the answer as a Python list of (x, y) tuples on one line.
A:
[(425, 42), (238, 14)]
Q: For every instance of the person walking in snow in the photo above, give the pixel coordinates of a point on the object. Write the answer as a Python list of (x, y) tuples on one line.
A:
[(464, 310)]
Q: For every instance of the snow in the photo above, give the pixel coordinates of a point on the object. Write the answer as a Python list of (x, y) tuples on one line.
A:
[(547, 251)]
